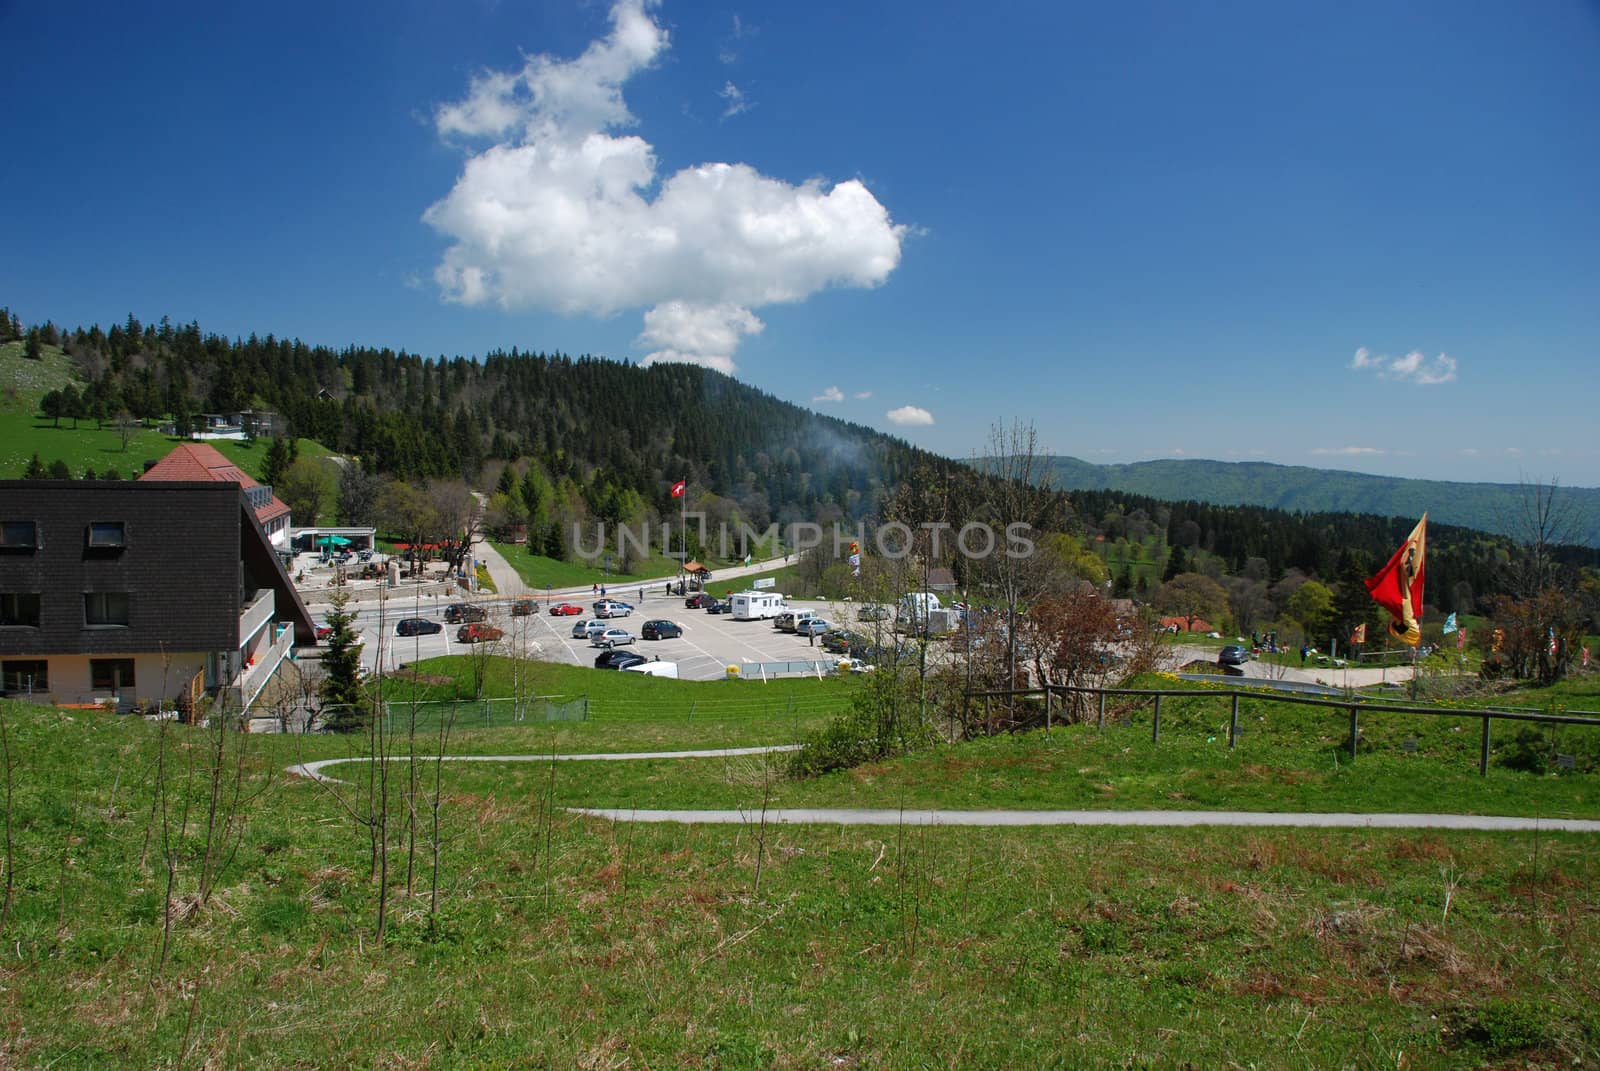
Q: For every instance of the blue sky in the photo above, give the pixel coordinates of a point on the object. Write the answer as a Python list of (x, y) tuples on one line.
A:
[(1356, 236)]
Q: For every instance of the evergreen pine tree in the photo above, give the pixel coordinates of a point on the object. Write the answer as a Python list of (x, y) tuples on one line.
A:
[(341, 668), (1177, 562), (35, 470), (59, 470)]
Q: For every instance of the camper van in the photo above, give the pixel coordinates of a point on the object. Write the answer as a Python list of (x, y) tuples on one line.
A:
[(919, 611), (757, 605)]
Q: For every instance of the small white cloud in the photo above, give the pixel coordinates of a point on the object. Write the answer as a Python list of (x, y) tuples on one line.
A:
[(861, 395), (1513, 451), (734, 101), (1346, 451), (832, 394), (728, 53), (1414, 366), (1468, 451), (909, 416)]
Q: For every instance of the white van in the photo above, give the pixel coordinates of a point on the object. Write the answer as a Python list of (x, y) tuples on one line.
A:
[(654, 669), (789, 620), (758, 605)]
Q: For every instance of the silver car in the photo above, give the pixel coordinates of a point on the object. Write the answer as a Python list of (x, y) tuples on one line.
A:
[(611, 637)]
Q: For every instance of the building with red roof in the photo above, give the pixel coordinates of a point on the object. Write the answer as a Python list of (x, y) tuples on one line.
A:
[(197, 461)]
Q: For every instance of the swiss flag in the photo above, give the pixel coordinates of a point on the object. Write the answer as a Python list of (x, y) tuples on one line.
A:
[(677, 488)]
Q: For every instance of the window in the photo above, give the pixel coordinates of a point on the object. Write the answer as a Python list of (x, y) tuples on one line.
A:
[(19, 609), (19, 535), (115, 673), (105, 608), (24, 677), (108, 534)]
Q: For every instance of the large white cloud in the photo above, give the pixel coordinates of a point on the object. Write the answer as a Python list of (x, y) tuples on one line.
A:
[(557, 213)]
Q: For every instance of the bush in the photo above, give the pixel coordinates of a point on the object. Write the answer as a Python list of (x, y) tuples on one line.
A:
[(884, 719)]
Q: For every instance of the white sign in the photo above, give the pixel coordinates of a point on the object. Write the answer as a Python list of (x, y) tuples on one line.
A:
[(765, 582)]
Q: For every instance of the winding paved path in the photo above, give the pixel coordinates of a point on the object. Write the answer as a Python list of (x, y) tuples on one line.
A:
[(854, 816)]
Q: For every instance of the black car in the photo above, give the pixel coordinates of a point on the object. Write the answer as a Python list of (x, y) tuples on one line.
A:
[(661, 630), (458, 612), (618, 659), (722, 607), (1233, 655), (698, 601), (417, 626)]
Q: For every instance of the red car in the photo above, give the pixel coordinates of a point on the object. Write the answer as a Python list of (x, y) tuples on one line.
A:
[(324, 632), (565, 609)]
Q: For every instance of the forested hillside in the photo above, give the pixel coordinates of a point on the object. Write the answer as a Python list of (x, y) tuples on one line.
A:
[(595, 421), (567, 440), (1488, 507)]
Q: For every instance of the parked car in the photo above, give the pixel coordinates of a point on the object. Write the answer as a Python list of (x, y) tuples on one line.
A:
[(843, 641), (723, 606), (698, 601), (417, 626), (1233, 655), (612, 608), (524, 607), (811, 626), (582, 630), (661, 630), (478, 632), (324, 632), (618, 659), (874, 613), (611, 637), (565, 609), (457, 612)]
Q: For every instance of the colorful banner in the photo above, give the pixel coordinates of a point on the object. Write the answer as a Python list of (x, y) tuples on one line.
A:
[(1461, 640), (677, 488), (1450, 624), (1398, 585), (1359, 635)]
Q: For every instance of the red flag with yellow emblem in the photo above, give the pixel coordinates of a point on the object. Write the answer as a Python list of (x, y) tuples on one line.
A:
[(1398, 586)]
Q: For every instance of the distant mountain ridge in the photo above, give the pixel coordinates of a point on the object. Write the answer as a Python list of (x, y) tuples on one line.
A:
[(1488, 507)]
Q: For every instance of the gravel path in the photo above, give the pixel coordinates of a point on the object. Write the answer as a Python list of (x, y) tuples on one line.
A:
[(856, 816), (314, 770), (851, 816)]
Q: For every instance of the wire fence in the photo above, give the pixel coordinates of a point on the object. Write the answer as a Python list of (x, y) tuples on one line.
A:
[(502, 713)]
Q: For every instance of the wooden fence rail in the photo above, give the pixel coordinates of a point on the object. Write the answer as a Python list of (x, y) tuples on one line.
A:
[(1488, 716)]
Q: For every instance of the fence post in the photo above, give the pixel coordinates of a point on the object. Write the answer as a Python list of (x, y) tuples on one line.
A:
[(1483, 750), (692, 704), (1233, 723), (985, 713), (1100, 721), (1354, 729), (1155, 731), (1047, 710)]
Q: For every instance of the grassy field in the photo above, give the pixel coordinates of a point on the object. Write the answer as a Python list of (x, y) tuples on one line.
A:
[(538, 571), (723, 588), (562, 941)]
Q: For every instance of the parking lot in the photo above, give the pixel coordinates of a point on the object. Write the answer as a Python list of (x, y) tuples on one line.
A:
[(709, 645)]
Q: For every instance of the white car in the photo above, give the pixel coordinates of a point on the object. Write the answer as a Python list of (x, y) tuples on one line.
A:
[(611, 637)]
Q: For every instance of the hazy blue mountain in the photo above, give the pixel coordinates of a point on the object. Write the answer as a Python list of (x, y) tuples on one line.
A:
[(1489, 507)]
